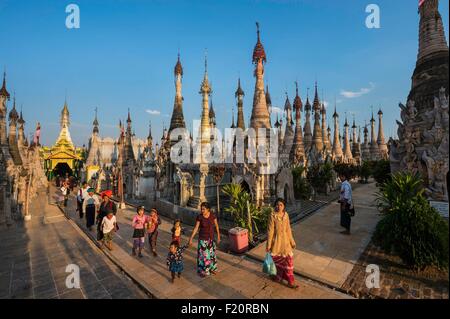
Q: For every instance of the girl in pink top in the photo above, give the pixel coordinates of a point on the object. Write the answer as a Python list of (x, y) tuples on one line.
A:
[(139, 222)]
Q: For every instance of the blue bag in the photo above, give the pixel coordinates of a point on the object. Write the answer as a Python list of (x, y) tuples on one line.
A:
[(269, 266)]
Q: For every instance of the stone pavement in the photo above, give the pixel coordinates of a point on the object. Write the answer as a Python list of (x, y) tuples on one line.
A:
[(238, 277), (324, 254), (34, 256)]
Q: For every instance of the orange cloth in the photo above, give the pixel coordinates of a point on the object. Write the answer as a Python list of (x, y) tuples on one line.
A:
[(106, 193)]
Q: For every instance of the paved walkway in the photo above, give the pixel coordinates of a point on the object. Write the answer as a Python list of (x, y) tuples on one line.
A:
[(34, 256), (324, 254), (238, 277)]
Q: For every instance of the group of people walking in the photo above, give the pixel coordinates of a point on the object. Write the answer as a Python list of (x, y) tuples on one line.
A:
[(206, 225), (280, 242), (98, 211)]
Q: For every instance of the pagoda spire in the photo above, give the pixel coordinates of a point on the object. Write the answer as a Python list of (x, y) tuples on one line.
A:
[(12, 137), (317, 133), (260, 114), (149, 131), (298, 149), (307, 128), (326, 141), (94, 156), (366, 146), (336, 153), (150, 140), (65, 115), (381, 140), (239, 94), (288, 130), (205, 91), (95, 123), (212, 114), (355, 145), (374, 150), (177, 120), (128, 151), (13, 115), (3, 92), (431, 31), (4, 97), (232, 118), (21, 138), (431, 71), (348, 156), (269, 104)]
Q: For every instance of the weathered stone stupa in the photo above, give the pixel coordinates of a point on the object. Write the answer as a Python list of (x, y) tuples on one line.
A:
[(422, 145)]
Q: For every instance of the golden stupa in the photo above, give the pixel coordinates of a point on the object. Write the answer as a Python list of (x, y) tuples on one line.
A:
[(63, 158)]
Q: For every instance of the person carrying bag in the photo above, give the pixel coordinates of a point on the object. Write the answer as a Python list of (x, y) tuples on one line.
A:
[(269, 267)]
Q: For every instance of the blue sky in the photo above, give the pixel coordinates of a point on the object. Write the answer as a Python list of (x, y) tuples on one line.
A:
[(124, 53)]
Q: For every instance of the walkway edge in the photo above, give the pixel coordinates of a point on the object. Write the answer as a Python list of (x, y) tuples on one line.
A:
[(304, 275), (148, 290)]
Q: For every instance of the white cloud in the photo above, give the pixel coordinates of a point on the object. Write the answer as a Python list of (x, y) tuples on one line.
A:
[(355, 94), (277, 110), (153, 112)]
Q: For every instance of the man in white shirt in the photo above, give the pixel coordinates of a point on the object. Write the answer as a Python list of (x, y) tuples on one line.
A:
[(82, 194), (91, 205), (346, 201)]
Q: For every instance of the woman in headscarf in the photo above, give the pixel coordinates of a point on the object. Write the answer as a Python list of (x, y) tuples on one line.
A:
[(91, 204), (280, 244), (106, 207), (206, 224)]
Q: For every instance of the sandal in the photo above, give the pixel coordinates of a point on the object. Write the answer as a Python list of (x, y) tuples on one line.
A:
[(293, 286)]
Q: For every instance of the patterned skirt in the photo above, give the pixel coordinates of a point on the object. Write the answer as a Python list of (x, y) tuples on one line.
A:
[(206, 257), (285, 268)]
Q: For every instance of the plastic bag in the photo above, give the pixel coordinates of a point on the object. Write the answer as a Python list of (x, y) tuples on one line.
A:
[(269, 266)]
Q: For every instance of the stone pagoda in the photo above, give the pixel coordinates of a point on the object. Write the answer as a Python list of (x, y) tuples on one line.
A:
[(423, 132)]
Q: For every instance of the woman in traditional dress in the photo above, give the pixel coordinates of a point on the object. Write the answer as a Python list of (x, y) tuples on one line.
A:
[(205, 225), (106, 207), (91, 204), (280, 244)]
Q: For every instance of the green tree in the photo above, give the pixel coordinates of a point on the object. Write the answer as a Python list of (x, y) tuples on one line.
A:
[(319, 176), (302, 189), (381, 171)]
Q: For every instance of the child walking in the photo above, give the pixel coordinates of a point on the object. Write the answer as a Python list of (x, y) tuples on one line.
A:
[(138, 223), (177, 230), (153, 222), (175, 259), (108, 227)]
